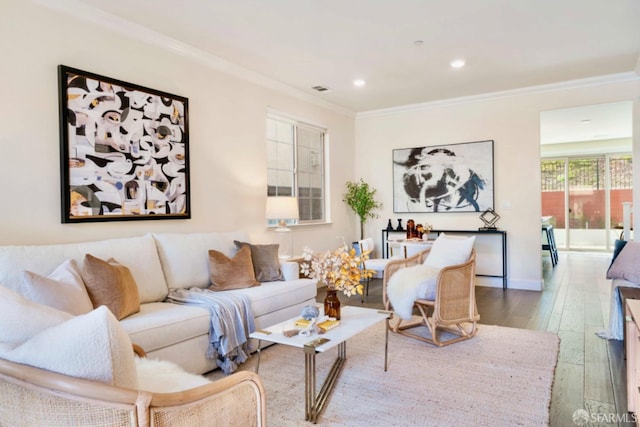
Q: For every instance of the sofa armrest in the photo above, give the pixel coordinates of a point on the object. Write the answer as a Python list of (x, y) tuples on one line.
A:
[(290, 270)]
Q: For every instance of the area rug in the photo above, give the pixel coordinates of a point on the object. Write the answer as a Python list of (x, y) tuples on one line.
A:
[(501, 377)]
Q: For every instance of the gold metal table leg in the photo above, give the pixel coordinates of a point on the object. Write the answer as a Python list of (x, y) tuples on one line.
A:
[(314, 403), (258, 361)]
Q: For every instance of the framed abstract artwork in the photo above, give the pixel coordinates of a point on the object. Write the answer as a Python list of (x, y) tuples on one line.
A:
[(444, 178), (124, 150)]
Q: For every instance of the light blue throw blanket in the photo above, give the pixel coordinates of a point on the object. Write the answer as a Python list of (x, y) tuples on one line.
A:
[(231, 323)]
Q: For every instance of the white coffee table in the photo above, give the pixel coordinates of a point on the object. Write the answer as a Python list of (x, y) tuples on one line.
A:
[(353, 321)]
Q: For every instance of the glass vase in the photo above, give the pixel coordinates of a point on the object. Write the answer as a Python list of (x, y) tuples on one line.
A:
[(332, 304)]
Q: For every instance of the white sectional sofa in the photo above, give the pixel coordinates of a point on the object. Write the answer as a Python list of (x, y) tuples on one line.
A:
[(159, 262)]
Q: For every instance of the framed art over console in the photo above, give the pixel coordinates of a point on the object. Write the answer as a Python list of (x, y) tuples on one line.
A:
[(444, 178), (124, 150)]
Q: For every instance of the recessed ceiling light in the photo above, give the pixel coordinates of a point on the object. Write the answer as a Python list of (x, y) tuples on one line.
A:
[(359, 82), (585, 121), (458, 63), (418, 42)]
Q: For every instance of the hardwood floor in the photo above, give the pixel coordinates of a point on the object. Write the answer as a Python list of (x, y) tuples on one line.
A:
[(574, 304)]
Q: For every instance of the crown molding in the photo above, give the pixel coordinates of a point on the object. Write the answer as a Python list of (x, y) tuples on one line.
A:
[(530, 90), (86, 13)]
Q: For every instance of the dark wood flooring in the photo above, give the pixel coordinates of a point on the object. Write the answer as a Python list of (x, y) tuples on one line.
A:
[(574, 304)]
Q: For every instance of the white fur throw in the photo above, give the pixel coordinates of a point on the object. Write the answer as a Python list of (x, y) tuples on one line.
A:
[(161, 376), (409, 284)]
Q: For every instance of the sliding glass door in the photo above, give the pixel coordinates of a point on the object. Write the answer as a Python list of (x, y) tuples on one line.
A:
[(582, 197)]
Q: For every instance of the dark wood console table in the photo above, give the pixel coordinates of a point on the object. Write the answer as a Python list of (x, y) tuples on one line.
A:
[(500, 233)]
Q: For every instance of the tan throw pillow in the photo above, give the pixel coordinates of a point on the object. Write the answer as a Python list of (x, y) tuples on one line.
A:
[(63, 289), (112, 284), (231, 273), (266, 264)]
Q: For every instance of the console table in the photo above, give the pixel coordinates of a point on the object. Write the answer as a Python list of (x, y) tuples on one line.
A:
[(502, 234)]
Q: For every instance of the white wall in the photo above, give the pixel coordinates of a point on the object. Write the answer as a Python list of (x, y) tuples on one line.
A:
[(513, 122), (227, 133)]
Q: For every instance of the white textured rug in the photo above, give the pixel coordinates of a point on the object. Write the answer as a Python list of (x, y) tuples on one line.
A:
[(501, 377)]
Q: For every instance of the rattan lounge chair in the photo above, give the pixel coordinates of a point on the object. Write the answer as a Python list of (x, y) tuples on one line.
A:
[(35, 397), (453, 310)]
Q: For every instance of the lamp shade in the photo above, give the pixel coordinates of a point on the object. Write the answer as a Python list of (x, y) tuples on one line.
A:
[(282, 208)]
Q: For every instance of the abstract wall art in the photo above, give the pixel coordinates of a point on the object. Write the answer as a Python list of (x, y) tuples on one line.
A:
[(124, 150), (444, 178)]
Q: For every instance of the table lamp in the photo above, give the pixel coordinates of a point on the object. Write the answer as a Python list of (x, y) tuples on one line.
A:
[(282, 209)]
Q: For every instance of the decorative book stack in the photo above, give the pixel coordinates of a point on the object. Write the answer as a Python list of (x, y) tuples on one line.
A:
[(324, 326)]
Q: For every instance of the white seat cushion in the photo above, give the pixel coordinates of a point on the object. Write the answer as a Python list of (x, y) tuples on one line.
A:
[(274, 296), (161, 324)]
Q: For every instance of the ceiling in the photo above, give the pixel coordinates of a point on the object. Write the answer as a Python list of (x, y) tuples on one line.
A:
[(587, 123), (506, 44)]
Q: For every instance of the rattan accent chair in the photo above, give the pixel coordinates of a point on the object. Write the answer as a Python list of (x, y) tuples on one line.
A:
[(35, 397), (454, 309)]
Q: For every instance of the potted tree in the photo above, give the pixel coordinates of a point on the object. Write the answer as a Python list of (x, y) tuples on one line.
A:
[(360, 198)]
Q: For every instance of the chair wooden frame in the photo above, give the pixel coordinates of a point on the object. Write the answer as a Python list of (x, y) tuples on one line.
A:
[(454, 309), (36, 397)]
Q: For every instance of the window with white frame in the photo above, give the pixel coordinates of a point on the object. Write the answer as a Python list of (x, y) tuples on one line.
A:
[(295, 165)]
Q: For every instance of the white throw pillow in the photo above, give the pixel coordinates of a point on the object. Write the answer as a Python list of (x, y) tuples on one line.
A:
[(92, 346), (21, 319), (63, 289), (449, 250)]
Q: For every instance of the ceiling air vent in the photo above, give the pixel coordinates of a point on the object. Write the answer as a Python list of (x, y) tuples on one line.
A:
[(320, 88)]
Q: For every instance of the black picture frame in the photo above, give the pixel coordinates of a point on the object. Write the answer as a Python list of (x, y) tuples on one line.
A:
[(444, 178), (124, 150)]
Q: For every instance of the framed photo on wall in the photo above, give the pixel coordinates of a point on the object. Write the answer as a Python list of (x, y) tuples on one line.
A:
[(444, 178), (124, 150)]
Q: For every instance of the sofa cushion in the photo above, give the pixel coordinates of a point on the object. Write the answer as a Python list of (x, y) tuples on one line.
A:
[(266, 263), (138, 253), (161, 324), (99, 351), (111, 284), (231, 273), (185, 256), (63, 289), (22, 319), (274, 296)]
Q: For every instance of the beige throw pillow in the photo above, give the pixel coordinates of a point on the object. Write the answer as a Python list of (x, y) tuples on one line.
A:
[(22, 319), (231, 273), (112, 284), (63, 289), (266, 264)]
